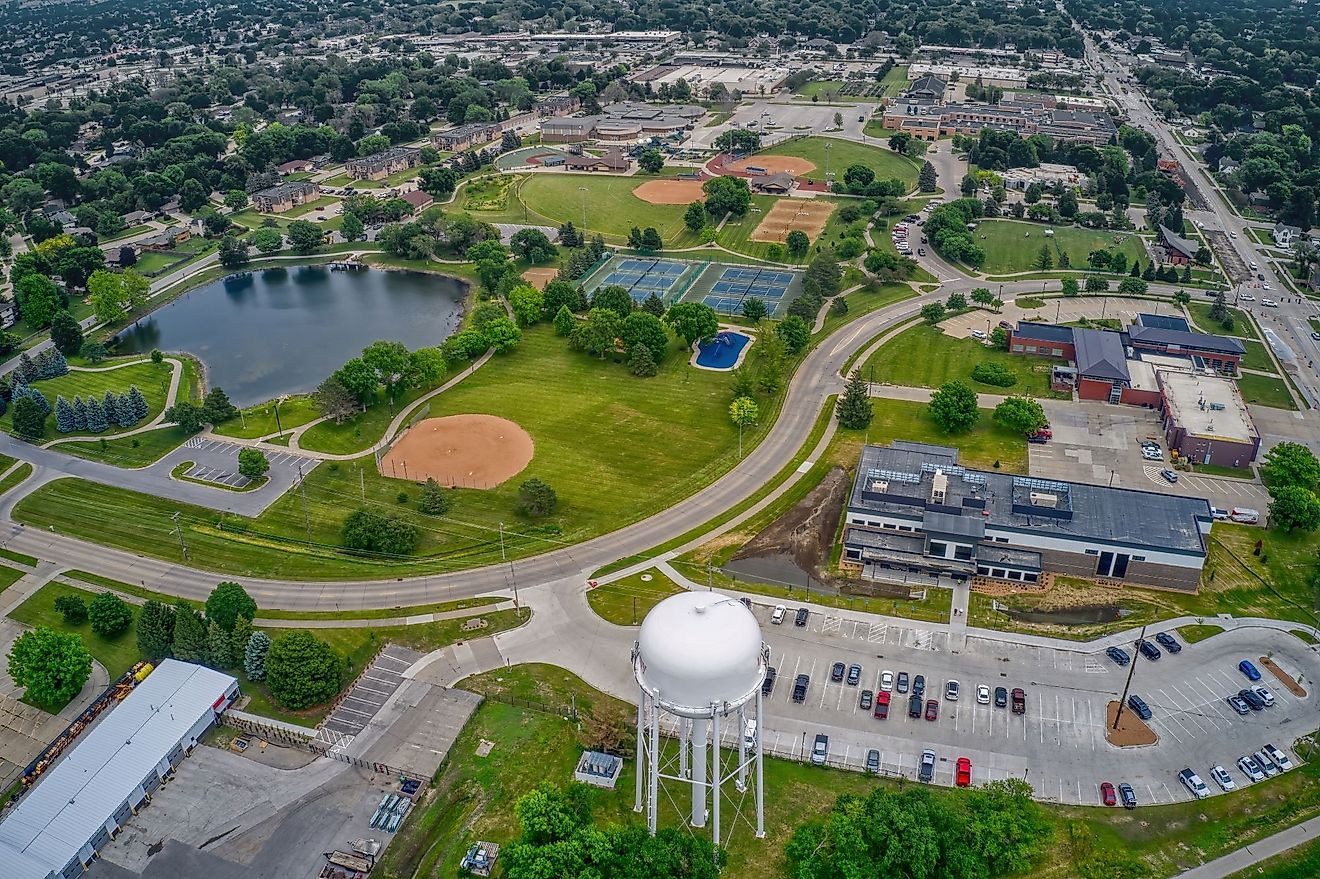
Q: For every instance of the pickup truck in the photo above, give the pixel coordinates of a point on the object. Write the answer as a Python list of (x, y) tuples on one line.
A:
[(820, 750), (882, 705)]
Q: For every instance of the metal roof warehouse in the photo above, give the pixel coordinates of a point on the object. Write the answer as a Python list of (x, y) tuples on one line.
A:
[(58, 826)]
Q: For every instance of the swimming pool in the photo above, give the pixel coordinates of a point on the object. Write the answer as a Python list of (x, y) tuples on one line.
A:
[(722, 352)]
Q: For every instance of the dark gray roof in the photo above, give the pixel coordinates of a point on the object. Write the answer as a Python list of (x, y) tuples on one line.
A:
[(1043, 332), (1080, 512), (928, 83), (1100, 355), (953, 524), (1184, 246), (1162, 321), (1185, 339)]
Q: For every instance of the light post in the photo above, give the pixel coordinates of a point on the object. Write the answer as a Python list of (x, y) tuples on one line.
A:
[(279, 428), (583, 190), (502, 557)]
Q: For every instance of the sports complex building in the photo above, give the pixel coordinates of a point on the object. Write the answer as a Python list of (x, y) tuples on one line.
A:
[(917, 517), (75, 809), (723, 287)]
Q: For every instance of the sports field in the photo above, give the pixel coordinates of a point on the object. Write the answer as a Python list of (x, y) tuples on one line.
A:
[(1013, 246), (830, 154)]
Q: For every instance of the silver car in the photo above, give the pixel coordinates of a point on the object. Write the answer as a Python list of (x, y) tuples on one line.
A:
[(1250, 769)]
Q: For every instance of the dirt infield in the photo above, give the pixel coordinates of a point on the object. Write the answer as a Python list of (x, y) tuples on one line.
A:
[(794, 165), (670, 191), (794, 213), (468, 451), (538, 278)]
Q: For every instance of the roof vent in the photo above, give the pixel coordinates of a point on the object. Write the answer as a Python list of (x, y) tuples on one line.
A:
[(1044, 499), (939, 487)]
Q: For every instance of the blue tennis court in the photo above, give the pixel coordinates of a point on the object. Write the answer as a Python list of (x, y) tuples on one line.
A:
[(642, 277), (736, 284)]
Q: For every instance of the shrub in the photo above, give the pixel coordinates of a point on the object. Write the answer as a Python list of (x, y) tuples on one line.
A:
[(993, 374)]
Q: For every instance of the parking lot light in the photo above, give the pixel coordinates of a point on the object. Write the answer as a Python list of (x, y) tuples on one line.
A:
[(1122, 700)]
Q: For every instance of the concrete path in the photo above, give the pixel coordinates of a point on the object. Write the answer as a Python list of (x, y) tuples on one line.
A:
[(1234, 862)]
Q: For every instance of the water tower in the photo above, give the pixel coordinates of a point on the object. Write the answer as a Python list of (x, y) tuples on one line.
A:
[(700, 663)]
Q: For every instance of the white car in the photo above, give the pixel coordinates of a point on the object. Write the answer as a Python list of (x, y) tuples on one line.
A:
[(1232, 234), (1152, 454), (951, 691), (1269, 303), (1265, 285), (887, 681), (1222, 778), (982, 694), (1193, 783), (778, 616), (978, 334), (1280, 759), (1265, 696), (1250, 769), (1247, 297)]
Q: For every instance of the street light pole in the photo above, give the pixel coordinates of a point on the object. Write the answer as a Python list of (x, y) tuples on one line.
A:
[(583, 190), (1122, 700), (502, 556)]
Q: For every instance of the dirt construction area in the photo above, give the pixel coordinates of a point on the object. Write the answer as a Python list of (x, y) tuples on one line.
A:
[(791, 214), (463, 451), (794, 165), (670, 191), (538, 278)]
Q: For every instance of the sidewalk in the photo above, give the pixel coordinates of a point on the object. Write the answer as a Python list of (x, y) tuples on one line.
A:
[(1245, 857)]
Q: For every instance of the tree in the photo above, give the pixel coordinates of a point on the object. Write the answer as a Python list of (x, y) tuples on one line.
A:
[(1294, 508), (51, 665), (1132, 287), (252, 463), (106, 291), (695, 216), (216, 406), (188, 416), (651, 161), (532, 245), (190, 644), (335, 401), (502, 334), (64, 417), (933, 312), (270, 240), (1070, 287), (1096, 284), (66, 334), (956, 302), (797, 242), (727, 194), (1290, 464), (388, 534), (754, 309), (233, 252), (1044, 258), (744, 412), (643, 328), (29, 419), (927, 179), (109, 615), (39, 300), (795, 333), (219, 646), (72, 609), (236, 199), (254, 656), (536, 499), (302, 670), (1020, 415), (434, 501), (654, 305), (641, 362), (1182, 297), (564, 321), (693, 321), (615, 298), (304, 236), (854, 409), (1007, 830), (438, 182), (651, 240), (155, 630), (953, 407)]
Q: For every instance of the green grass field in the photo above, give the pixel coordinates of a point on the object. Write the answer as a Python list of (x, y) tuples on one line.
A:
[(834, 155), (1257, 357), (259, 420), (1199, 311), (924, 357), (23, 471), (981, 447), (625, 602), (150, 261), (737, 233), (1265, 391), (827, 90), (1013, 246), (615, 448), (152, 379), (309, 207)]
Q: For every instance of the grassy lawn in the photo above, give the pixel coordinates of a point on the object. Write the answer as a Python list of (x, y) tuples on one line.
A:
[(19, 474), (1199, 311), (1265, 391), (1302, 862), (1220, 470), (1257, 357), (870, 298), (1194, 633), (259, 420), (592, 446), (624, 602), (1012, 246), (149, 262), (309, 207), (611, 207), (895, 80), (152, 379), (8, 577), (132, 451), (127, 233), (825, 89), (737, 232), (842, 153), (924, 357), (984, 446)]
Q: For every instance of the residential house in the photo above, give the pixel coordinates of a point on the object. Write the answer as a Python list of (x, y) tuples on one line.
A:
[(166, 240), (930, 88), (383, 164), (294, 167), (419, 200), (1228, 164), (138, 218), (1284, 235), (283, 197)]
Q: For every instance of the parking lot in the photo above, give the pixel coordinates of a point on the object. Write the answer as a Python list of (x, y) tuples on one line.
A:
[(217, 461), (1059, 744), (352, 714), (1058, 310)]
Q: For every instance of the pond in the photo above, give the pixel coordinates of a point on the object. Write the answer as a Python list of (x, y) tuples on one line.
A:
[(282, 331)]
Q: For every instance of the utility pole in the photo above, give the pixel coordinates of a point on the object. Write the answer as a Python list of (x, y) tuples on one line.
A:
[(183, 545), (503, 557), (307, 521), (1122, 700), (362, 483), (710, 577)]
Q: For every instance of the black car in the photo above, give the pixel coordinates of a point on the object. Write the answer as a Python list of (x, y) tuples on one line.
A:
[(1254, 702), (800, 688), (919, 685), (1001, 697), (746, 602), (1119, 655), (769, 683), (836, 672), (801, 619), (854, 674), (902, 684), (1138, 704), (1148, 650), (865, 701), (873, 761), (1127, 795), (1037, 440), (914, 706), (1168, 642)]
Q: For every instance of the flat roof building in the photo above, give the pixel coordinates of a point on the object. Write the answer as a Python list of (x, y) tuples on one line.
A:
[(1206, 419), (58, 827)]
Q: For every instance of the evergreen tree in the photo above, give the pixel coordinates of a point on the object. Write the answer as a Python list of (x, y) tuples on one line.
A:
[(96, 420), (434, 501), (564, 321), (238, 639), (138, 403), (63, 415), (155, 630), (641, 362), (190, 635), (254, 656), (37, 398), (29, 423), (124, 416), (79, 413), (26, 369), (854, 407), (927, 178), (218, 646), (57, 364), (110, 403)]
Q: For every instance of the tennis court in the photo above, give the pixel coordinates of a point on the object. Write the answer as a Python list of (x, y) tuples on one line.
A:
[(736, 284), (641, 277)]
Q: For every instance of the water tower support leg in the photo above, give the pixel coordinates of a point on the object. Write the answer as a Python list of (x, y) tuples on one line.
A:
[(700, 733), (741, 783), (760, 787), (641, 746), (653, 769), (684, 741), (717, 778)]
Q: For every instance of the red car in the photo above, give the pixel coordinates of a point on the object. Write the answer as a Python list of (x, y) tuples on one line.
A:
[(1107, 794), (963, 776), (932, 709), (1044, 431), (882, 704), (1019, 701)]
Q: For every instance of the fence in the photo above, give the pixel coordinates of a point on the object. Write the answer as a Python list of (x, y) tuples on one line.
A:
[(295, 740)]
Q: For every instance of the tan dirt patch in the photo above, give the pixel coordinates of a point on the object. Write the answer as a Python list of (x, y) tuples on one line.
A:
[(670, 191), (1284, 678), (1132, 731), (789, 214), (464, 451), (538, 278), (795, 165)]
